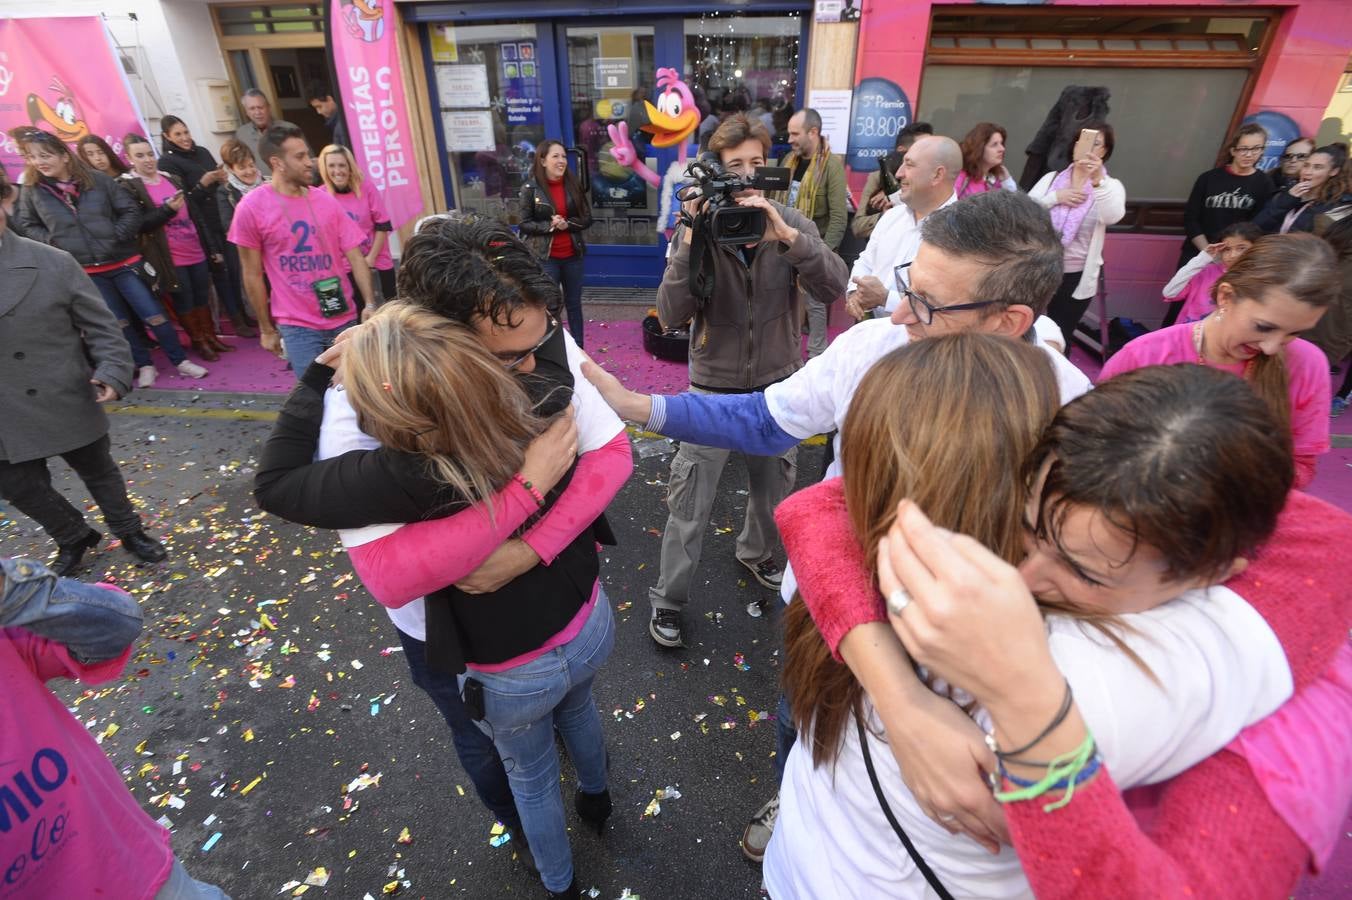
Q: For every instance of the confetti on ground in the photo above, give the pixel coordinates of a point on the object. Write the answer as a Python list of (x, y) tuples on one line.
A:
[(318, 878), (211, 842), (404, 837)]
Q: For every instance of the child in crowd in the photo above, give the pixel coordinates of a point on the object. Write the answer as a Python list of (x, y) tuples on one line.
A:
[(72, 827), (1191, 285)]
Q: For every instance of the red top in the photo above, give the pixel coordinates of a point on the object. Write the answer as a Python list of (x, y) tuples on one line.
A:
[(1214, 832), (562, 245)]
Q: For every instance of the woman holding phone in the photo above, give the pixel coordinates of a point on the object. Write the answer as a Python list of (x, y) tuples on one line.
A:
[(554, 213), (190, 247), (1084, 200)]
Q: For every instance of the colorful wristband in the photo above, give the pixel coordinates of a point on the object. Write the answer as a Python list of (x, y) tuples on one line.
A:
[(530, 489)]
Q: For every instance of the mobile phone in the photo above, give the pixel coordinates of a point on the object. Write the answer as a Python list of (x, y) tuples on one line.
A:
[(1085, 145), (474, 699)]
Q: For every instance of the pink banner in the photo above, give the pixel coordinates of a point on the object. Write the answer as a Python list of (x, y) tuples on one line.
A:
[(363, 36), (60, 75)]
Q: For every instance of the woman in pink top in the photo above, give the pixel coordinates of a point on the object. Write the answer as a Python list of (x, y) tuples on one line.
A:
[(1192, 285), (189, 246), (1276, 291), (363, 205), (983, 161)]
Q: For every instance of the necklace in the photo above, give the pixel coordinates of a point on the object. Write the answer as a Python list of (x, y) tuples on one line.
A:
[(1198, 335)]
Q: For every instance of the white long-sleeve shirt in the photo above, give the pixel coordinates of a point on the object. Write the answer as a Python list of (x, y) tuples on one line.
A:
[(894, 241)]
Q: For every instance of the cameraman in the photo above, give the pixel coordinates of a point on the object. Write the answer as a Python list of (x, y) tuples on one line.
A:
[(746, 336)]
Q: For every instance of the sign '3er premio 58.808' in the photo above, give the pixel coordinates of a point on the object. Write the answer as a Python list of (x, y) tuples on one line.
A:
[(881, 109)]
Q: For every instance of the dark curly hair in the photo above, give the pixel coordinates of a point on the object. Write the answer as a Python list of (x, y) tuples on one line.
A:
[(468, 269)]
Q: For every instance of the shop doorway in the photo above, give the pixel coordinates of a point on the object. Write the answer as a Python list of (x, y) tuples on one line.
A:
[(502, 88)]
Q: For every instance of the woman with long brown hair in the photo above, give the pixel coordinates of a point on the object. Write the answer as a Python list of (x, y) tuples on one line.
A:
[(983, 161), (101, 157), (554, 213), (1276, 291), (72, 207), (1151, 666), (1325, 183)]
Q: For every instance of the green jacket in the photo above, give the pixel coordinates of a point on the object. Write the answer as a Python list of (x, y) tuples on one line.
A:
[(829, 206)]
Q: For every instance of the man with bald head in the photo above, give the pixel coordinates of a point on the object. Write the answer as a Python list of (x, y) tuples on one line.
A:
[(926, 177)]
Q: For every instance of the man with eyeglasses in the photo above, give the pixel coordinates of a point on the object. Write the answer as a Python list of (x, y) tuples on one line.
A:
[(926, 178), (988, 263), (745, 336)]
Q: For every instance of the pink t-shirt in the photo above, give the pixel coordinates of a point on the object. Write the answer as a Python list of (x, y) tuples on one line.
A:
[(1196, 297), (184, 245), (301, 240), (367, 211), (1307, 373), (68, 825)]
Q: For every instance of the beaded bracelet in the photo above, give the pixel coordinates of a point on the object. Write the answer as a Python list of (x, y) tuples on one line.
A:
[(530, 489)]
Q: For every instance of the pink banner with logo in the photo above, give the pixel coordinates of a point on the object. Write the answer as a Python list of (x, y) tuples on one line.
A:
[(363, 35), (60, 75)]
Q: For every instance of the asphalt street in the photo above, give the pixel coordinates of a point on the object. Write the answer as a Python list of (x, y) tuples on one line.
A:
[(265, 714)]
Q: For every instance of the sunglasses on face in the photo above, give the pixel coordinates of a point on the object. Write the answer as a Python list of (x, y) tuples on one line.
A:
[(511, 360), (1295, 156)]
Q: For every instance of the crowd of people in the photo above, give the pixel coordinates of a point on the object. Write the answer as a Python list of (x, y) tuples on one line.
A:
[(1040, 636)]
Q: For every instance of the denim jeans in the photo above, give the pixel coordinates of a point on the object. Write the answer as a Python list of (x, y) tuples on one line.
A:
[(522, 708), (478, 757), (304, 344), (228, 279), (194, 284), (28, 485), (568, 272), (94, 622), (182, 886), (124, 292)]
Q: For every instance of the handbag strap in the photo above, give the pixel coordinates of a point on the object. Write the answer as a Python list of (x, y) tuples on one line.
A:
[(916, 858)]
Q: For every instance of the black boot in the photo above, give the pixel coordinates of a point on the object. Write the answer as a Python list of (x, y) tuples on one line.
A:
[(569, 893), (69, 556), (594, 809), (142, 545), (523, 853)]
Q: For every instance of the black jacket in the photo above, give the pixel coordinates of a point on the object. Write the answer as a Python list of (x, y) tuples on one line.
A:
[(189, 166), (369, 487), (101, 227), (1271, 217), (537, 212)]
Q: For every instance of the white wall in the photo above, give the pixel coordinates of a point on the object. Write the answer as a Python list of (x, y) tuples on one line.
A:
[(172, 44)]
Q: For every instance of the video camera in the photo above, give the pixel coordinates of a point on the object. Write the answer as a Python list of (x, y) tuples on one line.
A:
[(720, 220)]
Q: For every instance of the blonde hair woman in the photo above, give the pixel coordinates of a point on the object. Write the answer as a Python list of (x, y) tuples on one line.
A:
[(363, 204), (488, 424)]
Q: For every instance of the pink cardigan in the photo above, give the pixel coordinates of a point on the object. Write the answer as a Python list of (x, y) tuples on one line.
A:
[(1215, 831)]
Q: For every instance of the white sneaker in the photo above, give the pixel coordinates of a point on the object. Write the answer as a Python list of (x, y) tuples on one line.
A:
[(145, 376), (191, 369)]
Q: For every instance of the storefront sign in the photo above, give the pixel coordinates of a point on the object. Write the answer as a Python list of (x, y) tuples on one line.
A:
[(463, 86), (834, 108), (1281, 130), (525, 111), (881, 109), (468, 131), (614, 73), (60, 75), (836, 11), (362, 38)]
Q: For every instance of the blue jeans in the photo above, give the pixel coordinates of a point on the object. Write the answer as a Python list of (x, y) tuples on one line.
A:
[(125, 292), (194, 284), (568, 272), (304, 344), (478, 757), (522, 708), (94, 623)]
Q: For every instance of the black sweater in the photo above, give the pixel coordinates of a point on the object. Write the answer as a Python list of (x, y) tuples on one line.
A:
[(366, 487), (1220, 198)]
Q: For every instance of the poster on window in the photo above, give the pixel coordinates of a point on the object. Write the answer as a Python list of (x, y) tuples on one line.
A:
[(468, 130), (44, 85), (463, 86), (362, 37)]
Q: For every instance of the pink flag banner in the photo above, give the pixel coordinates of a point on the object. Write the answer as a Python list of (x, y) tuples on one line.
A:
[(363, 38), (62, 76)]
